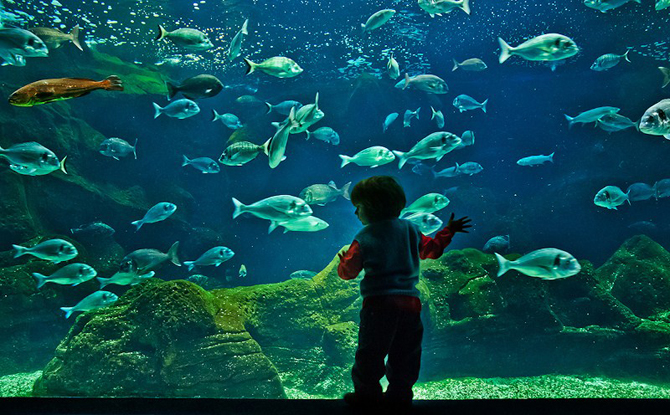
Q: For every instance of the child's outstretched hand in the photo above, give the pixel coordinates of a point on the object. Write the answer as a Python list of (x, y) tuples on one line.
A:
[(458, 225)]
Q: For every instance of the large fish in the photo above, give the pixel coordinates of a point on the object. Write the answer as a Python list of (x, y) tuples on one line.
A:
[(655, 120), (98, 299), (191, 39), (279, 208), (374, 156), (548, 47), (377, 20), (18, 44), (54, 38), (307, 116), (428, 83), (610, 197), (72, 274), (321, 194), (437, 7), (144, 260), (435, 145), (54, 250), (306, 224), (547, 263), (427, 222), (32, 159), (276, 146), (591, 115), (52, 90), (196, 87), (429, 203), (278, 66)]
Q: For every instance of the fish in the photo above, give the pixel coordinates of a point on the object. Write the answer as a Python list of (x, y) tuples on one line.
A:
[(427, 222), (306, 224), (278, 66), (180, 109), (608, 61), (205, 164), (389, 120), (407, 118), (548, 47), (467, 139), (54, 38), (18, 44), (277, 208), (215, 256), (374, 156), (432, 84), (117, 147), (322, 194), (71, 274), (229, 120), (615, 122), (196, 87), (326, 134), (610, 197), (141, 261), (191, 39), (97, 229), (448, 172), (469, 168), (243, 271), (498, 244), (53, 90), (437, 7), (303, 274), (32, 159), (157, 213), (276, 146), (236, 44), (428, 203), (124, 278), (666, 75), (472, 64), (535, 160), (54, 250), (251, 107), (464, 103), (307, 116), (640, 191), (604, 5), (240, 153), (662, 4), (547, 264), (655, 120), (392, 68), (590, 115), (662, 188), (435, 145), (98, 299), (438, 117), (376, 20), (284, 107)]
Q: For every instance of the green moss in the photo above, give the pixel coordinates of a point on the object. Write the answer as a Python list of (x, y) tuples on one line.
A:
[(18, 384)]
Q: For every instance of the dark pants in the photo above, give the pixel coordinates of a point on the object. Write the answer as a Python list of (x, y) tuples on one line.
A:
[(387, 330)]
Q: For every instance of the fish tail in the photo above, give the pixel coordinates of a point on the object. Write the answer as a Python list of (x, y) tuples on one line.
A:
[(250, 66), (244, 28), (483, 107), (68, 311), (625, 56), (216, 116), (266, 147), (417, 112), (112, 83), (455, 65), (269, 106), (345, 191), (61, 165), (505, 50), (186, 161), (570, 120), (309, 135), (273, 226), (345, 160), (20, 250), (316, 101), (172, 254), (190, 265), (466, 6), (434, 112), (135, 149), (161, 32), (103, 282), (239, 208), (138, 223), (664, 71), (158, 109), (41, 279), (551, 157), (172, 89), (406, 82), (504, 265), (402, 158), (74, 37)]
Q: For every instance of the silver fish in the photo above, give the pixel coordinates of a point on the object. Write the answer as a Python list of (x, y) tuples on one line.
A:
[(279, 208), (374, 156), (305, 224), (377, 20), (610, 197), (240, 153), (117, 147), (427, 222), (438, 117), (432, 84), (498, 244), (535, 160), (157, 213), (655, 120), (464, 103), (98, 299), (472, 64), (18, 44), (54, 250), (547, 264), (591, 115), (608, 61), (435, 145), (548, 47), (72, 274), (180, 109), (215, 256), (389, 120), (428, 203), (236, 43), (32, 159), (326, 134), (322, 194), (205, 164), (142, 261), (190, 39)]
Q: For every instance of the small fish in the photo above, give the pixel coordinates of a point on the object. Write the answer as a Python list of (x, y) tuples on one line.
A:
[(377, 20), (229, 120), (54, 250), (437, 7), (215, 256), (284, 107), (535, 160), (205, 164), (655, 120), (610, 197), (32, 159), (608, 61), (662, 188), (374, 156), (278, 66), (428, 83), (615, 122), (157, 213), (236, 44), (499, 244), (116, 147), (429, 203), (142, 261), (303, 275), (548, 47), (277, 208), (240, 153), (464, 103), (640, 191), (472, 64), (438, 117), (196, 87), (666, 75), (72, 274), (591, 115), (54, 38), (407, 118), (243, 271), (435, 145), (604, 5), (18, 44), (306, 224), (98, 229), (124, 278), (547, 264), (190, 39), (326, 134), (389, 120), (322, 194), (427, 222), (469, 168), (448, 172), (392, 68), (53, 90), (276, 146), (98, 299), (180, 109)]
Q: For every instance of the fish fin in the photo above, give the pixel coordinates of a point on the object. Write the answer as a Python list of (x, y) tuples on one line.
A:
[(239, 207), (20, 250), (172, 89), (250, 66), (186, 161), (666, 75), (551, 157), (346, 192), (103, 282), (434, 112), (455, 65), (504, 265), (466, 6), (161, 32), (41, 279), (190, 265), (216, 116), (243, 30), (625, 55), (138, 224), (267, 104), (74, 37), (61, 165), (266, 147), (570, 120), (68, 311), (402, 159), (116, 158), (406, 82), (417, 112), (273, 226), (505, 50), (135, 148), (112, 83), (332, 185), (172, 254), (345, 160), (285, 230), (158, 109), (483, 107), (309, 135)]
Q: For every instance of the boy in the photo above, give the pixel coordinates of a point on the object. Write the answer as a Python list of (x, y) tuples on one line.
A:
[(388, 248)]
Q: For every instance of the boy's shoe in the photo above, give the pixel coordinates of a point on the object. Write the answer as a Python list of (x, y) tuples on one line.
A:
[(358, 400)]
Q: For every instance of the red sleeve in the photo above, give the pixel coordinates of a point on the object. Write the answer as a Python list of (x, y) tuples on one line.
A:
[(434, 247), (351, 263)]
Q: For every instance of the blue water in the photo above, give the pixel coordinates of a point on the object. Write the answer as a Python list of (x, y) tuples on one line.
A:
[(545, 206)]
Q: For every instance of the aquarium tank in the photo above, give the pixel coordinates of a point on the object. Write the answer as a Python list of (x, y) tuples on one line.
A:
[(175, 180)]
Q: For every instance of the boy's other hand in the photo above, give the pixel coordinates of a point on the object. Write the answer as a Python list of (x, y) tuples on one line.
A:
[(458, 225)]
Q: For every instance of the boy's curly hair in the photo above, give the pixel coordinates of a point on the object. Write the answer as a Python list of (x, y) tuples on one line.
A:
[(382, 196)]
